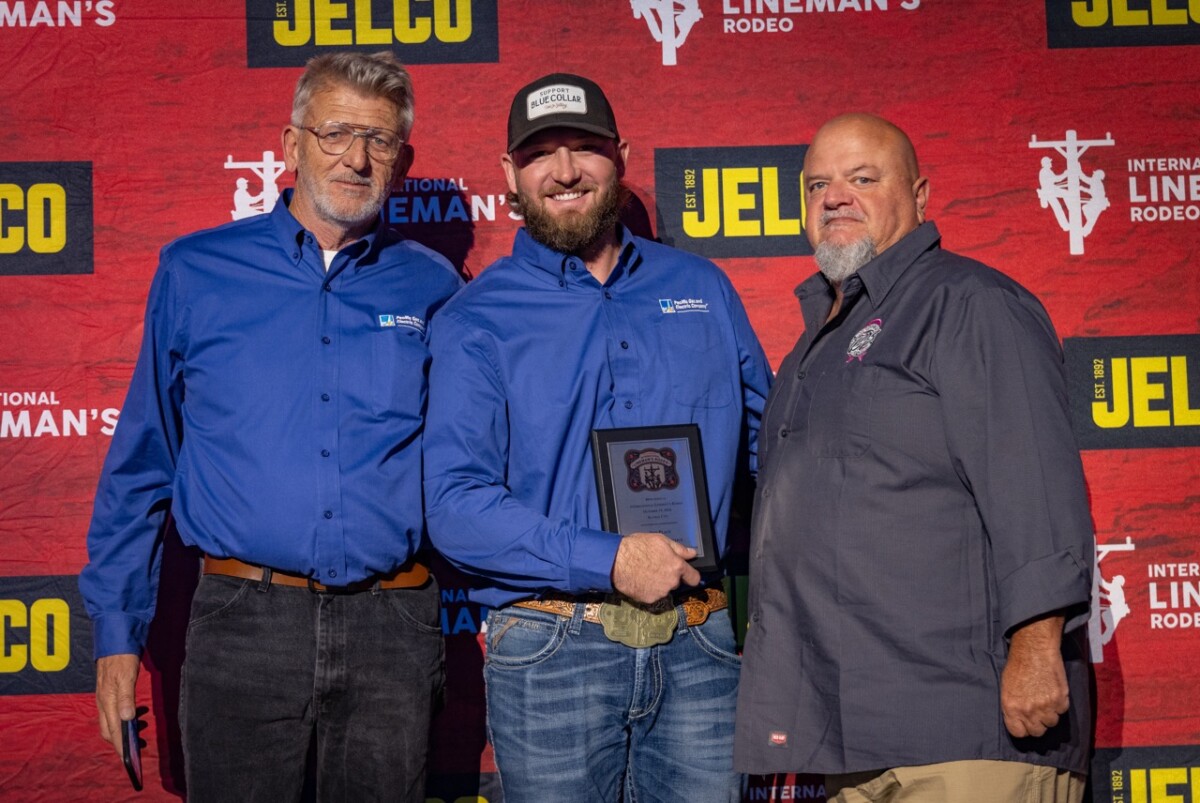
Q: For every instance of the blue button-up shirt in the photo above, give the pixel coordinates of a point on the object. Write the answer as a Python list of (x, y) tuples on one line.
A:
[(276, 410), (533, 355)]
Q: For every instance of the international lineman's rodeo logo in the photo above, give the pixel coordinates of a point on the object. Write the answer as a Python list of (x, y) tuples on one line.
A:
[(669, 22), (652, 469), (1108, 601), (1076, 198), (246, 203)]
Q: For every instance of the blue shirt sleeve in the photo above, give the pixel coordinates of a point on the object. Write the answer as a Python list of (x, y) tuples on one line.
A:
[(120, 582), (473, 517), (756, 376)]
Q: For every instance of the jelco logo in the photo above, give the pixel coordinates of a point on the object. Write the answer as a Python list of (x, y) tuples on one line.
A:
[(45, 637), (286, 33), (1122, 23), (1134, 392), (732, 202), (45, 217)]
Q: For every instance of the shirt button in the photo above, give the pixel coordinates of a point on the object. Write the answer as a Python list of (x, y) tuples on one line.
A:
[(324, 397), (561, 283), (755, 617), (784, 432), (333, 572), (295, 255), (324, 453), (800, 374), (328, 288), (608, 295), (766, 493), (326, 340), (624, 344), (628, 405), (329, 514)]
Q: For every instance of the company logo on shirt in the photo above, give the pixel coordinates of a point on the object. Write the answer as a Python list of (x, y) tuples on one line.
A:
[(407, 321), (1075, 196), (1121, 23), (673, 306), (732, 202), (287, 33), (863, 339), (45, 637), (1134, 392), (45, 218)]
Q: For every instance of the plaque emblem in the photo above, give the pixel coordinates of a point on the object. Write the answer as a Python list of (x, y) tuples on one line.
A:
[(652, 469)]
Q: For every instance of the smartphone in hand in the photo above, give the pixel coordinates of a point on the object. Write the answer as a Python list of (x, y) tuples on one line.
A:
[(131, 752)]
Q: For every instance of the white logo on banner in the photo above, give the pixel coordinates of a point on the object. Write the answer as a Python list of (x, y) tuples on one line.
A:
[(246, 203), (1108, 601), (669, 22), (1076, 198)]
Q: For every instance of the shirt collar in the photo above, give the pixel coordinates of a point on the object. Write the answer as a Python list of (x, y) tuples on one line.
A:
[(564, 268), (293, 236), (877, 277)]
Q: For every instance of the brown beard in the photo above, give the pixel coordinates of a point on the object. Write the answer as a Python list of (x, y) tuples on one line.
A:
[(574, 233)]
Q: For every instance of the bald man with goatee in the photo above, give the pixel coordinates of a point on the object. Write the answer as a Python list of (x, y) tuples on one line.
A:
[(922, 546)]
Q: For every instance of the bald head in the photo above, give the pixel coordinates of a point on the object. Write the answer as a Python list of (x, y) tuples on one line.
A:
[(863, 188)]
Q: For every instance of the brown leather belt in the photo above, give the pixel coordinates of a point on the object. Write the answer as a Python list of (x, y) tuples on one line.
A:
[(697, 605), (410, 575)]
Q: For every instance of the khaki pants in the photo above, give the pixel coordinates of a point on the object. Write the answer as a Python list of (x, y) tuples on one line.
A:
[(958, 782)]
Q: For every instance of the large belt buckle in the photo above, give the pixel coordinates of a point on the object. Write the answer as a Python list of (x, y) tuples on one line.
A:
[(636, 625)]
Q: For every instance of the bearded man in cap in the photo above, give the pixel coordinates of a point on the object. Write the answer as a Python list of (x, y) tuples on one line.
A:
[(580, 329)]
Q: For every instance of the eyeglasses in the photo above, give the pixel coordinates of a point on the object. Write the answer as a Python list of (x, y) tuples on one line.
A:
[(337, 138)]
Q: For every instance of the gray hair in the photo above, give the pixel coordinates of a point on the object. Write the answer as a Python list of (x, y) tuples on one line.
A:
[(378, 74)]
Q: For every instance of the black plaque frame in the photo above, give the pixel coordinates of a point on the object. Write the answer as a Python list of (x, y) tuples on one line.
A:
[(674, 436)]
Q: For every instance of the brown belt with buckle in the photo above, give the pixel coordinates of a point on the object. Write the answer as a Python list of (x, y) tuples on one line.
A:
[(697, 605), (410, 575)]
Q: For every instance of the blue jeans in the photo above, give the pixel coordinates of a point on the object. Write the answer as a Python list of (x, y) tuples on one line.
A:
[(574, 716), (269, 668)]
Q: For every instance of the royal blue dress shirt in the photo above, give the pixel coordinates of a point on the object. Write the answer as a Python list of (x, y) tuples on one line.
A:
[(534, 354), (275, 411)]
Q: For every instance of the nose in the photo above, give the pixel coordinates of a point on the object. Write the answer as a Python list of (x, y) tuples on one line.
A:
[(837, 193), (356, 157), (564, 170)]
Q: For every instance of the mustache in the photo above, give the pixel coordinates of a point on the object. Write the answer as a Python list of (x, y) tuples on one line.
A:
[(353, 178), (576, 188), (834, 214)]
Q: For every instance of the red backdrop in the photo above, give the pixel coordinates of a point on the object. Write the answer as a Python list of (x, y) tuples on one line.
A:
[(128, 122)]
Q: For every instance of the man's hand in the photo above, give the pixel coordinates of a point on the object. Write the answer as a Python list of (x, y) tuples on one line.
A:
[(116, 676), (1033, 686), (649, 566)]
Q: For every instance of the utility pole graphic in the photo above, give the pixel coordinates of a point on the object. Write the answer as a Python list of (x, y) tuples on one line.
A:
[(669, 21), (1076, 198)]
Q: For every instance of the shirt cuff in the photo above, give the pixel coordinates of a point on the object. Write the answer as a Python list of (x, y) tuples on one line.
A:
[(118, 633), (592, 560), (1058, 582)]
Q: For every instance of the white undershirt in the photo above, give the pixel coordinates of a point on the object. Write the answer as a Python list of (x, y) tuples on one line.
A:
[(329, 255)]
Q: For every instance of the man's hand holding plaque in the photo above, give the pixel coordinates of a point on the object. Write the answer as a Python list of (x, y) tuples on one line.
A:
[(649, 566)]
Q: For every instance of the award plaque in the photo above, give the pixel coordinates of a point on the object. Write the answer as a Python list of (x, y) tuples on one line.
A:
[(651, 480)]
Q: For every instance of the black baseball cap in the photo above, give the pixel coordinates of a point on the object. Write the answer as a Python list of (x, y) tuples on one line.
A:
[(559, 100)]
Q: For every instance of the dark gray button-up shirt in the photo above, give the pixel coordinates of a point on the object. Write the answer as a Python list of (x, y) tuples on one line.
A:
[(920, 496)]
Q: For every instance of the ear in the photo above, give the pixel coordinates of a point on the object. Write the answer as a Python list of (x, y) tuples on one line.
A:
[(622, 157), (510, 171), (404, 163), (921, 195), (291, 147)]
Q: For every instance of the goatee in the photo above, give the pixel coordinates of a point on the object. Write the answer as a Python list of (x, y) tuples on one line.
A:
[(840, 262)]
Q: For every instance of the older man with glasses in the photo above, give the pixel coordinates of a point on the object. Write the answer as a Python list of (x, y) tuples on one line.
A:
[(275, 415)]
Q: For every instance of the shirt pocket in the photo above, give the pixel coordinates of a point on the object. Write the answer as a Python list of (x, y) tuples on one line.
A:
[(694, 352), (399, 366), (839, 415)]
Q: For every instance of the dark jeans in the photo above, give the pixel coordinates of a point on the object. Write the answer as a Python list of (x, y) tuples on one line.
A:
[(269, 667)]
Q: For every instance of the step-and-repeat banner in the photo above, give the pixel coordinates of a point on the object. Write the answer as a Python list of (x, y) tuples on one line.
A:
[(1062, 139)]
